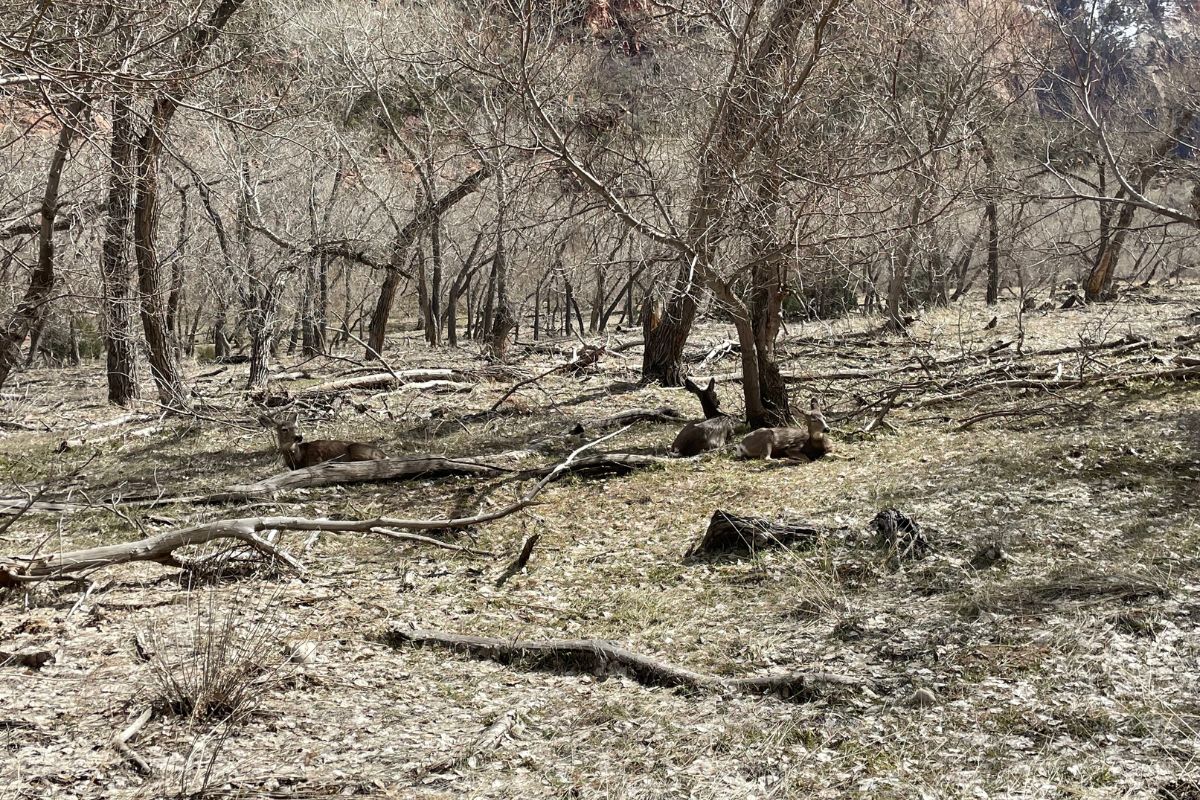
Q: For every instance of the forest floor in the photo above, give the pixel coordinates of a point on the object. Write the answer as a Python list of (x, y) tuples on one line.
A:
[(1069, 669)]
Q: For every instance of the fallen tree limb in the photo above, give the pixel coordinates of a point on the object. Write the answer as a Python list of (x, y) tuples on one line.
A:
[(598, 656), (1178, 373), (160, 548), (585, 358), (32, 658), (522, 559), (340, 472), (387, 380), (604, 463)]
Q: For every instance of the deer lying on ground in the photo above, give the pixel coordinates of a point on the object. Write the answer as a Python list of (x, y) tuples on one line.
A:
[(297, 453), (796, 443), (710, 433)]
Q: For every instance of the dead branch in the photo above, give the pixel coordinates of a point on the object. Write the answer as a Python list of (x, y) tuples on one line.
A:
[(585, 358), (384, 469), (634, 415), (161, 548), (1178, 373), (488, 740), (158, 549), (31, 658), (597, 656), (418, 538), (120, 743), (604, 463), (522, 559)]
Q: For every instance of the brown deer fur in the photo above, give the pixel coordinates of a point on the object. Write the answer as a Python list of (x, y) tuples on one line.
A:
[(797, 443), (713, 432), (298, 454)]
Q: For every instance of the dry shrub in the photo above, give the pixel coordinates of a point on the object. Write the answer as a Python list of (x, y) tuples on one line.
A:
[(217, 667)]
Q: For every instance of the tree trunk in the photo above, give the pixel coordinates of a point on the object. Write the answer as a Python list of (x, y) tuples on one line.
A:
[(190, 347), (176, 293), (433, 329), (665, 331), (262, 319), (164, 364), (568, 299), (595, 323), (119, 337), (993, 222), (503, 322), (32, 308)]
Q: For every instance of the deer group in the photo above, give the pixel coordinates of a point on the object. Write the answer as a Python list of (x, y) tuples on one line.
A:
[(714, 431)]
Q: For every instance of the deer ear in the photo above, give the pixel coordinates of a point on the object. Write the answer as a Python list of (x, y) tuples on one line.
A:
[(266, 421), (815, 406), (691, 387), (712, 384)]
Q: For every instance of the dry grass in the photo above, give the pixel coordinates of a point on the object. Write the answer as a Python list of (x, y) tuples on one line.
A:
[(1077, 679)]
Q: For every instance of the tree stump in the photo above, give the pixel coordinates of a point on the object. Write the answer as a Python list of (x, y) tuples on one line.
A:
[(732, 533), (898, 533)]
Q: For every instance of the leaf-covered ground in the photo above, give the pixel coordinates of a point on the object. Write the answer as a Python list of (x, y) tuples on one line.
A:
[(1069, 669)]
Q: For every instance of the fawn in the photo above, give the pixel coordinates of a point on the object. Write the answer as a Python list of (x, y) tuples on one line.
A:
[(797, 443), (298, 453), (710, 433)]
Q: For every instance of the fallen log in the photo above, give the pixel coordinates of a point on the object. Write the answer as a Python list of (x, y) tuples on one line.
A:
[(386, 380), (601, 657), (341, 472), (34, 659)]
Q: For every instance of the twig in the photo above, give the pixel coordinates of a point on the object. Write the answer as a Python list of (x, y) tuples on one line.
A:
[(416, 537), (120, 743), (488, 740), (522, 560)]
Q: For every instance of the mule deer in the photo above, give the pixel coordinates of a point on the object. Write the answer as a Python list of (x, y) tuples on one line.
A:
[(715, 429), (769, 443), (297, 453)]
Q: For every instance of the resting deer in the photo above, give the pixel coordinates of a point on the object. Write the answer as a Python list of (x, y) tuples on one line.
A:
[(810, 444), (713, 432), (298, 453)]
